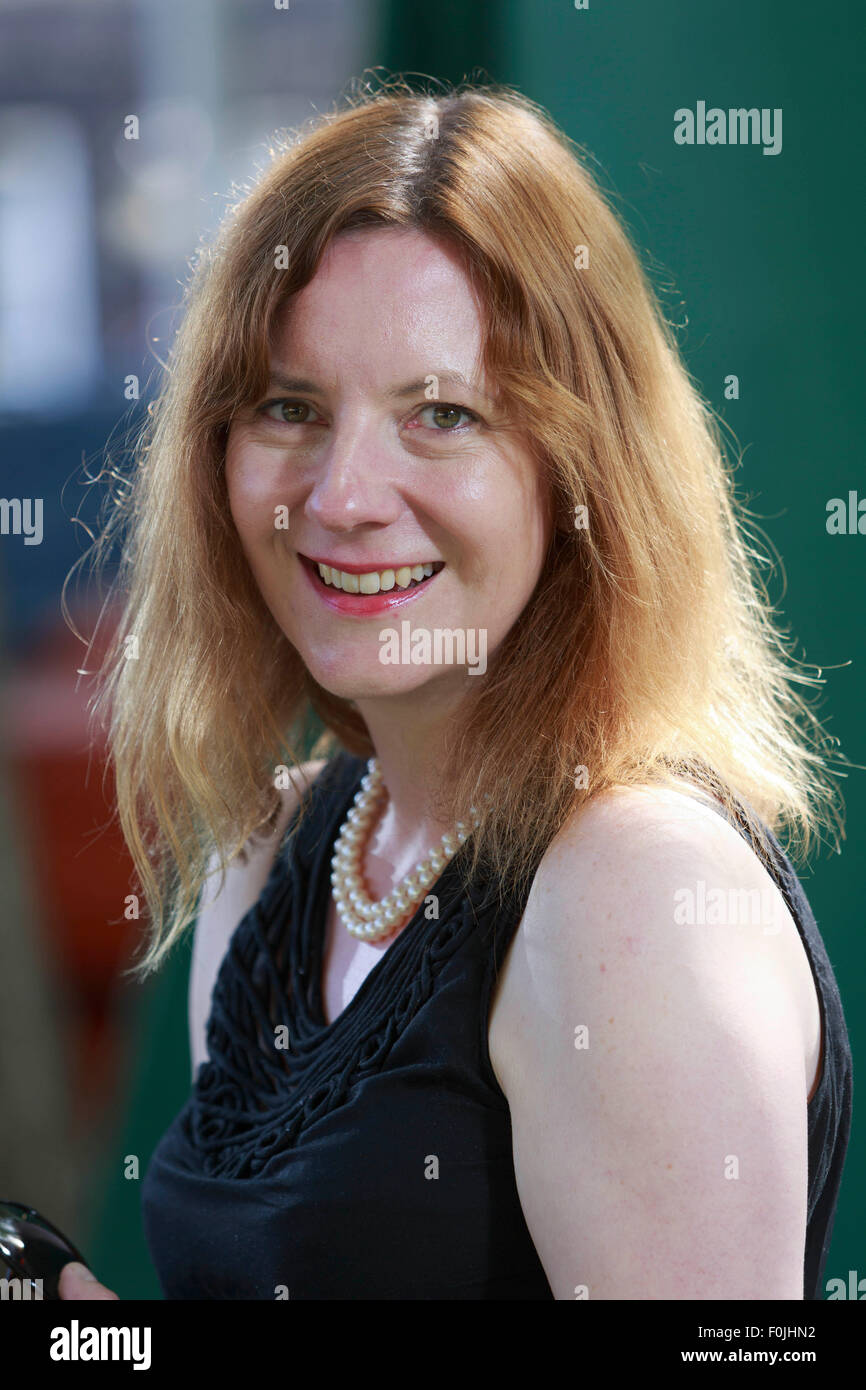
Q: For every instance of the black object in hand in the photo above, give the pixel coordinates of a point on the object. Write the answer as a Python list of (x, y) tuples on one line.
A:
[(32, 1249)]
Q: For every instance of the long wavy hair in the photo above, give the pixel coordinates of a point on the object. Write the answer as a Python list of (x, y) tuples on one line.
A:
[(649, 651)]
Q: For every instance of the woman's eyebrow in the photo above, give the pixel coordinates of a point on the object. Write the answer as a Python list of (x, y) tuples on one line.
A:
[(442, 378), (295, 383), (292, 383)]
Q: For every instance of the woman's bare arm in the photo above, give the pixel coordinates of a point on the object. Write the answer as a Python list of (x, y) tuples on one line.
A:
[(662, 1153)]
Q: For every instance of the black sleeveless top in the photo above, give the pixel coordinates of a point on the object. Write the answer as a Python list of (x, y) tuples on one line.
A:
[(371, 1158)]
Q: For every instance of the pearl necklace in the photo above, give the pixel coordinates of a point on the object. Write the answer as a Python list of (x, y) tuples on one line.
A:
[(364, 918)]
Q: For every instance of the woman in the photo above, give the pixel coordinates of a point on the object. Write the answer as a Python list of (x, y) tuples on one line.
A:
[(427, 463)]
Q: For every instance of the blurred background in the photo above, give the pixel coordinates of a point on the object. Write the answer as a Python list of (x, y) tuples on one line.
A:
[(757, 258)]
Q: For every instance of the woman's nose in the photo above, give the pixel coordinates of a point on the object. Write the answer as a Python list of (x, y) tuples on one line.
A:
[(352, 484)]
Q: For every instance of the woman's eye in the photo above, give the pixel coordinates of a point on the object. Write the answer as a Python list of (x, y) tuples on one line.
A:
[(442, 417), (445, 416), (289, 412)]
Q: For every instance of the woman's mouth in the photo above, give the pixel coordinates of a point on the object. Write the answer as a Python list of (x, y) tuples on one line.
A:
[(373, 590)]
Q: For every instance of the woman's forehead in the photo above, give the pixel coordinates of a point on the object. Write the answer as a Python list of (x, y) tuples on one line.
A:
[(396, 301)]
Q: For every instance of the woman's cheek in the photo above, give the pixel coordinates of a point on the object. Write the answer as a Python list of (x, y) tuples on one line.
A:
[(252, 498)]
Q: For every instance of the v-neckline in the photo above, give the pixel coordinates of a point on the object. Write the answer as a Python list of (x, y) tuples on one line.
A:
[(311, 938)]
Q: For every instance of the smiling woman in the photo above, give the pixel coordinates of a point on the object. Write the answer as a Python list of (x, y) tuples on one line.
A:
[(380, 484), (451, 1037)]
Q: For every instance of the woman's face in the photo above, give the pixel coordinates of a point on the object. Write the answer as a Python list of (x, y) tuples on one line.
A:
[(368, 454)]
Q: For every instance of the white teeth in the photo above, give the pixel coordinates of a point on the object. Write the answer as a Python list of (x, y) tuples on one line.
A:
[(372, 581)]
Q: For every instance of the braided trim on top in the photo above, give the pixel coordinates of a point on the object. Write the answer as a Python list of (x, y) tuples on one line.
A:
[(252, 1099)]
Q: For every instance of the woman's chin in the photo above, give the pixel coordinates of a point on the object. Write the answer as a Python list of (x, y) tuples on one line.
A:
[(346, 680)]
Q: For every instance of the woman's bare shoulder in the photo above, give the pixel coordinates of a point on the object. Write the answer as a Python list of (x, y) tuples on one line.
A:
[(644, 833), (654, 886), (630, 831)]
